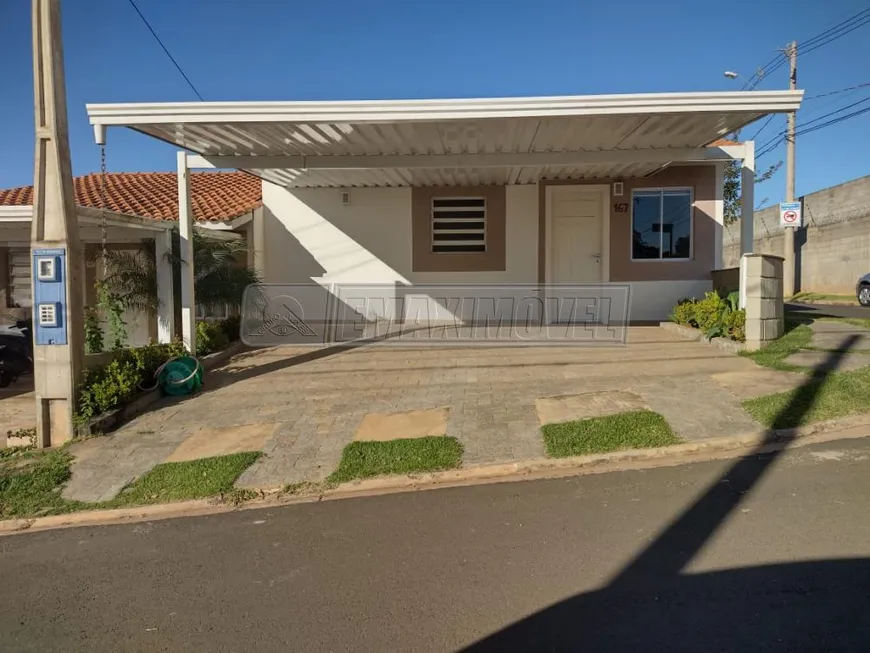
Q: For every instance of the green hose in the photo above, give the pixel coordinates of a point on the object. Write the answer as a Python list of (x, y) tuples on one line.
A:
[(180, 376)]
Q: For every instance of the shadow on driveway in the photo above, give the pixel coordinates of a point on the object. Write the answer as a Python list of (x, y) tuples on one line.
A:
[(653, 604)]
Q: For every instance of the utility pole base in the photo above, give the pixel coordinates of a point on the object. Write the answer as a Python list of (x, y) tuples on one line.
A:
[(53, 422)]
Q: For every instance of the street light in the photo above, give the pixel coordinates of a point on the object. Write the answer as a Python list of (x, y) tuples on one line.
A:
[(730, 74)]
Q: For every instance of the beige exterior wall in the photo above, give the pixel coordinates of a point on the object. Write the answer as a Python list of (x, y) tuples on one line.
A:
[(701, 179)]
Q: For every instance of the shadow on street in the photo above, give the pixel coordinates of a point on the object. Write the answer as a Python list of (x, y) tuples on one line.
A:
[(654, 604)]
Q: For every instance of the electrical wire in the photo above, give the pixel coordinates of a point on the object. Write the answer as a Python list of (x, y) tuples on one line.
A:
[(819, 40), (808, 126), (166, 50), (761, 129), (842, 90)]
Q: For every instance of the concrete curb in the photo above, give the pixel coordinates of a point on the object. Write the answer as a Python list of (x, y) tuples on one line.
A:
[(691, 333), (753, 442)]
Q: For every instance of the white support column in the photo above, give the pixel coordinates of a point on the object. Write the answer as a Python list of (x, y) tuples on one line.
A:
[(747, 198), (258, 231), (719, 216), (185, 237), (165, 295)]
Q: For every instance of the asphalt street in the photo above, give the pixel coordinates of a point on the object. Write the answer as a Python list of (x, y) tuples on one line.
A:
[(831, 310), (766, 552)]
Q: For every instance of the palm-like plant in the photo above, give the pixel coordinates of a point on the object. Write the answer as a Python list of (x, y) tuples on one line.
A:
[(219, 278)]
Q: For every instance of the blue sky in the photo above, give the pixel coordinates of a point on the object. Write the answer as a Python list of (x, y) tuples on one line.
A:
[(370, 49)]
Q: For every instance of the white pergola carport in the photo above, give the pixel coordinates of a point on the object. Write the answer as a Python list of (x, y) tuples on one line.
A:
[(449, 142)]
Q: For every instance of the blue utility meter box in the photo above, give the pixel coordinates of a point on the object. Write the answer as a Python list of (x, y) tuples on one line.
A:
[(49, 297)]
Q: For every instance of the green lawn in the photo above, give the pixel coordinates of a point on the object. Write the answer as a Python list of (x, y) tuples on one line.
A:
[(194, 479), (403, 456), (31, 482), (638, 429), (817, 297), (797, 336), (837, 395)]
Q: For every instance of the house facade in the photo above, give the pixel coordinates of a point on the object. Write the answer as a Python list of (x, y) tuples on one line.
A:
[(660, 237), (602, 196)]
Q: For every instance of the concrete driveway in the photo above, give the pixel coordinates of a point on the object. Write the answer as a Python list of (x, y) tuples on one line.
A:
[(302, 406)]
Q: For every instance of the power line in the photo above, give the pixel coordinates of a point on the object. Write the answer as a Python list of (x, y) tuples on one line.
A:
[(800, 132), (839, 26), (168, 54), (864, 21), (819, 40), (842, 90), (806, 127), (761, 129)]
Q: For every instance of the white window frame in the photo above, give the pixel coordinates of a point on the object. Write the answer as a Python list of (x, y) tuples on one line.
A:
[(432, 224), (661, 259)]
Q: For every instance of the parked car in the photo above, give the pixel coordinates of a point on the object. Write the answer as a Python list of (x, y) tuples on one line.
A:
[(862, 289)]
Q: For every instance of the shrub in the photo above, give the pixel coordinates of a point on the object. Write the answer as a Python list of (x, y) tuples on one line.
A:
[(709, 310), (210, 337), (94, 343), (684, 312), (735, 322), (109, 386), (715, 316)]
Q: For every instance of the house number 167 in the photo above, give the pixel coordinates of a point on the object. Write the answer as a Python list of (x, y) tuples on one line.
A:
[(620, 207)]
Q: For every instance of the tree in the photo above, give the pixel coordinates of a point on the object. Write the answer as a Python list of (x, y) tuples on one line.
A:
[(732, 187), (219, 278)]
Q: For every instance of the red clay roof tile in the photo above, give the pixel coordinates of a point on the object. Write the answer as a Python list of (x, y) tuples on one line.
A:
[(215, 196)]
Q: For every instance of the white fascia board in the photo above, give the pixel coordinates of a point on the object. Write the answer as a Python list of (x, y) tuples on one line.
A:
[(92, 216), (16, 214), (378, 111), (435, 161), (217, 231), (89, 216)]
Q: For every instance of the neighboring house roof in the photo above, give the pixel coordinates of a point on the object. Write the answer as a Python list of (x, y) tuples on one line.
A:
[(723, 141), (215, 196)]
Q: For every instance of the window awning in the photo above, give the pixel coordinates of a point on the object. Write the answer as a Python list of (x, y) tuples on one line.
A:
[(449, 142)]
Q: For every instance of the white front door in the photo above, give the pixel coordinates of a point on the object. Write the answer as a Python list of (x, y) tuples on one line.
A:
[(576, 253)]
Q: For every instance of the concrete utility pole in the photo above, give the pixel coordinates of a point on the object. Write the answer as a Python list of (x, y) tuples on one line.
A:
[(55, 251), (788, 267)]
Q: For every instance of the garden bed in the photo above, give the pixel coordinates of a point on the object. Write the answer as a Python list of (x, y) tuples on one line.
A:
[(693, 333), (717, 318), (136, 402)]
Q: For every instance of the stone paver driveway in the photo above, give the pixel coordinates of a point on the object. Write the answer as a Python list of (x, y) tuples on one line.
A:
[(314, 401)]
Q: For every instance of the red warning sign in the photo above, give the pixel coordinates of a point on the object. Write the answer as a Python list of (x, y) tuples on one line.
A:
[(790, 214)]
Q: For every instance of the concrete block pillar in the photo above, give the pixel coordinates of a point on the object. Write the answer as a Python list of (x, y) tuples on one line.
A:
[(762, 294)]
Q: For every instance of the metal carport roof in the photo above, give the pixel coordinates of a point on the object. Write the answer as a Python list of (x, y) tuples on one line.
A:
[(448, 142)]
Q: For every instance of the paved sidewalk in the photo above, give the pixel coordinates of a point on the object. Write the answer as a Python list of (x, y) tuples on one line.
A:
[(828, 335), (310, 404)]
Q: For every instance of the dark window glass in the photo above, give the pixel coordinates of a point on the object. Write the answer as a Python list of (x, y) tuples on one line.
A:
[(661, 224), (645, 220)]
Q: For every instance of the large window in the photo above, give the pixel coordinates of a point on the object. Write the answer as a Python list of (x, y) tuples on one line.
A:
[(458, 225), (661, 224)]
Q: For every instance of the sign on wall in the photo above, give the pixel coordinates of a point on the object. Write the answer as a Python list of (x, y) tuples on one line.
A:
[(790, 214)]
